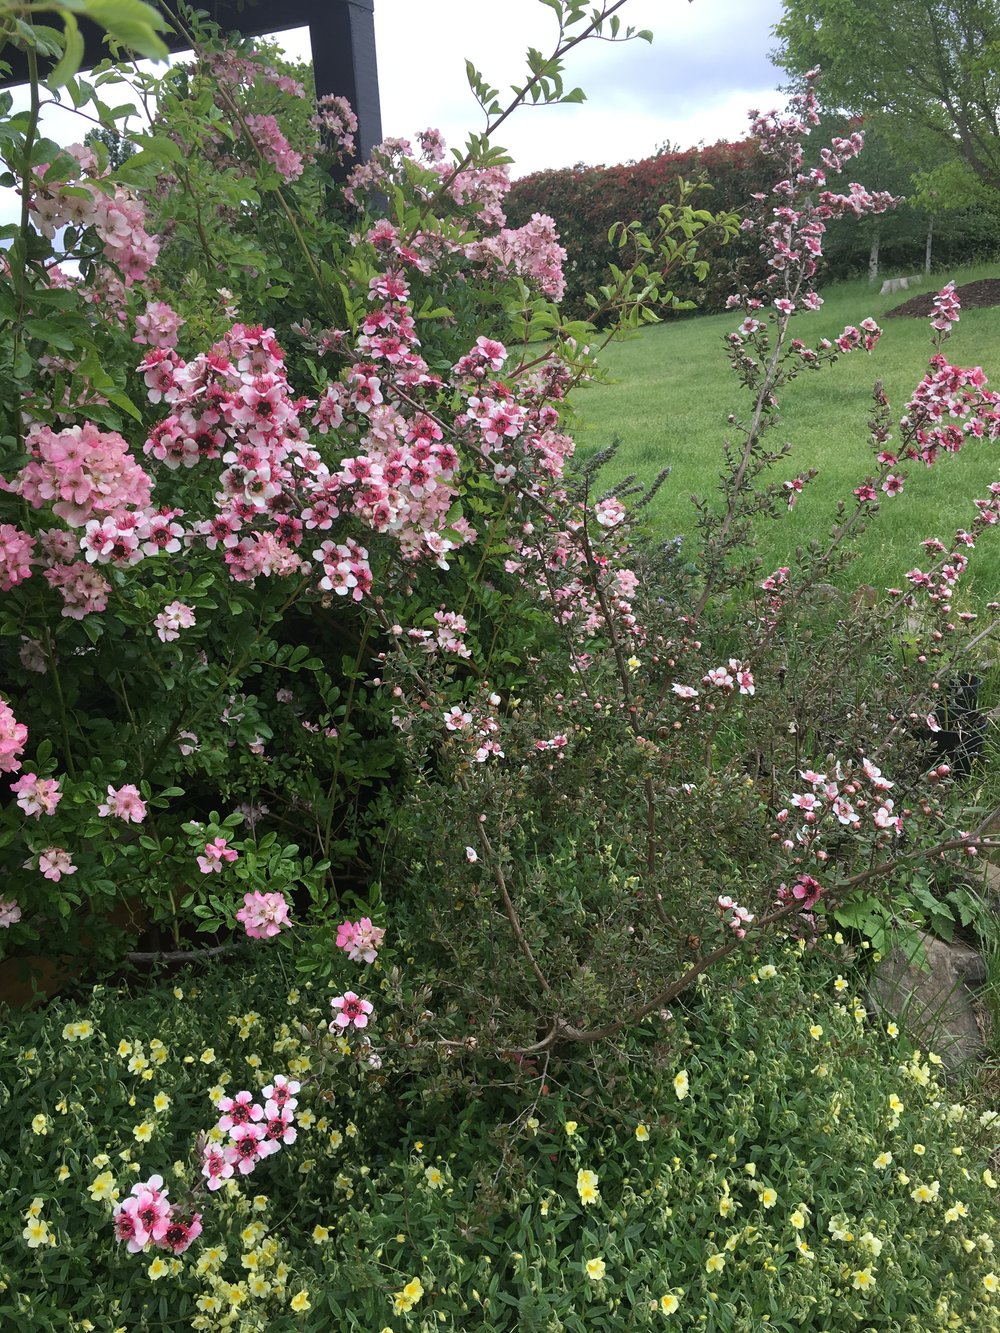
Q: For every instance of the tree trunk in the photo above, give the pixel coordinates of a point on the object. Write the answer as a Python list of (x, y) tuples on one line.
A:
[(873, 256), (928, 247)]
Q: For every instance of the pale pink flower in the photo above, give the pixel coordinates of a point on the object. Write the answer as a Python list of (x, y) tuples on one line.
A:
[(238, 1110), (13, 734), (54, 862), (37, 796), (216, 852), (262, 914), (350, 1009), (360, 939), (125, 803), (10, 913)]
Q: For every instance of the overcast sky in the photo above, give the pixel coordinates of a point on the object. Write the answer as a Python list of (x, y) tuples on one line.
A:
[(708, 64)]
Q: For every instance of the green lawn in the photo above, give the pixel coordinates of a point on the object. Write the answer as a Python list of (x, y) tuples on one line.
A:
[(672, 391)]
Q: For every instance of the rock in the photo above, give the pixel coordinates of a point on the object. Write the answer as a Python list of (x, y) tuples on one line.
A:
[(935, 1004)]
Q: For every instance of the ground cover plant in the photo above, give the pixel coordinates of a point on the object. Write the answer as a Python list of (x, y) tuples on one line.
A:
[(827, 1178), (315, 641)]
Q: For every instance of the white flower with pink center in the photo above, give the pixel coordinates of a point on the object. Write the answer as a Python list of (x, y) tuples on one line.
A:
[(282, 1092), (215, 1166)]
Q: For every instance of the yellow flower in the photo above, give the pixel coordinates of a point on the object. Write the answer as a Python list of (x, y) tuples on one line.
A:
[(161, 1101), (863, 1279), (103, 1188), (36, 1233), (300, 1301), (682, 1085), (543, 1207), (840, 984), (669, 1303), (641, 1133), (208, 1056), (62, 1172), (320, 1234), (798, 1219), (143, 1132), (926, 1193), (157, 1268), (919, 1149), (895, 1105), (404, 1301), (587, 1187), (991, 1282), (336, 1138), (769, 1198), (815, 1032), (259, 1202), (892, 1030), (596, 1269), (715, 1263), (768, 971), (882, 1160), (434, 1177), (40, 1124), (138, 1063), (570, 1128), (989, 1179)]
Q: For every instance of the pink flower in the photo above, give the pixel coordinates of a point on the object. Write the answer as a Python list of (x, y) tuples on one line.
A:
[(216, 852), (360, 939), (179, 1235), (684, 691), (248, 1147), (278, 1126), (262, 914), (215, 1166), (37, 796), (13, 734), (144, 1216), (125, 803), (172, 619), (238, 1110), (10, 913), (54, 863), (350, 1009)]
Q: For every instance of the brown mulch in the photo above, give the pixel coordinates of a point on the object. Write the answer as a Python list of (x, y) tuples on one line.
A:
[(973, 296)]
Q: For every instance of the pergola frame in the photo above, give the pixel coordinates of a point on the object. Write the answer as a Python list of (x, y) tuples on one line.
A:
[(342, 33)]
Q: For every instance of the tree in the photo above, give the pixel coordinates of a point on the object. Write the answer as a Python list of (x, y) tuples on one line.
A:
[(930, 65)]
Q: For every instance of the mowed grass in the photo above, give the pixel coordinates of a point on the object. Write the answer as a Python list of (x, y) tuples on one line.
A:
[(671, 391)]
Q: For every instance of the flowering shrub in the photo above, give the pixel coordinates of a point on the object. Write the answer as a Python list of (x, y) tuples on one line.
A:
[(807, 1165)]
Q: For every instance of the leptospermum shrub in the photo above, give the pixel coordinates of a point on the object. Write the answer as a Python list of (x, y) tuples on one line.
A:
[(768, 1156)]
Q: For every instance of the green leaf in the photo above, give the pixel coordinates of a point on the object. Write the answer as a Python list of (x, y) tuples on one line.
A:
[(72, 56), (50, 331), (130, 22)]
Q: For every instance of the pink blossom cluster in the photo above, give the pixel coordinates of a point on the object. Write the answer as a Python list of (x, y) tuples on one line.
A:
[(736, 674), (174, 617), (360, 939), (83, 473), (123, 803), (852, 338), (800, 206), (37, 796), (805, 890), (256, 1130), (855, 800), (274, 147), (13, 735), (532, 251), (147, 1218), (947, 309), (447, 637), (336, 122), (158, 325), (16, 551), (734, 916), (118, 217), (241, 71), (10, 913), (474, 725), (217, 853), (263, 914)]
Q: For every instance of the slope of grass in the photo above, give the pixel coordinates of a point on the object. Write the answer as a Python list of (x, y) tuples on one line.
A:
[(671, 391)]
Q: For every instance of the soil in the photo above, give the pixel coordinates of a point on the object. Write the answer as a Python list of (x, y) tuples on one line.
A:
[(973, 296)]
